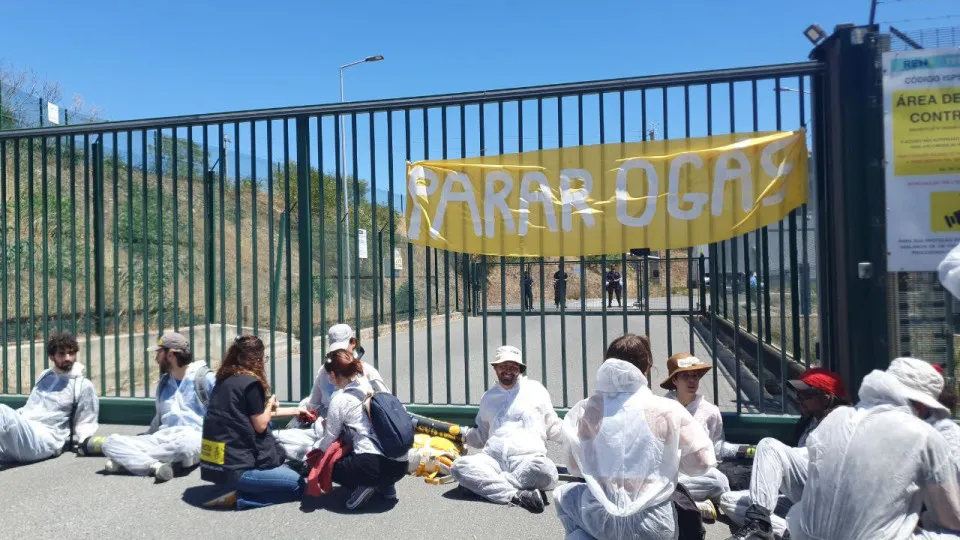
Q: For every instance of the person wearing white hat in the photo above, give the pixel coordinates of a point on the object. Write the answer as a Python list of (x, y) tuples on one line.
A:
[(299, 437), (872, 467), (173, 438), (515, 420)]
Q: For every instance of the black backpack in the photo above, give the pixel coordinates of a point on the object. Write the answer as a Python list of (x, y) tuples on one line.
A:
[(689, 519), (391, 423)]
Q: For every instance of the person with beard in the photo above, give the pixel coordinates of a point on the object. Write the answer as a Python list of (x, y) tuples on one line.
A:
[(238, 452), (780, 471), (173, 439), (62, 408), (515, 419)]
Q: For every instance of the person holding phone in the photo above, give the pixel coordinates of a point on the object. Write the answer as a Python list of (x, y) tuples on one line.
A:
[(238, 451)]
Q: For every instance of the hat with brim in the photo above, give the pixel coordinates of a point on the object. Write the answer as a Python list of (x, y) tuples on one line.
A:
[(683, 365), (919, 382), (339, 337), (171, 341), (821, 379), (509, 353)]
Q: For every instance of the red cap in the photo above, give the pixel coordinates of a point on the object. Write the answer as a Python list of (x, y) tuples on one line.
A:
[(821, 379), (938, 367)]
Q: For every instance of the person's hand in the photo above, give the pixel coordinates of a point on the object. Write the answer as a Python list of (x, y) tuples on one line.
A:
[(274, 403)]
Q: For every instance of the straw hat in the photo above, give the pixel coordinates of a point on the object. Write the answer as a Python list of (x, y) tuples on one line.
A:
[(680, 363)]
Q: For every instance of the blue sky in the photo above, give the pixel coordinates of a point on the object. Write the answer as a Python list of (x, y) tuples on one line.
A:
[(177, 57)]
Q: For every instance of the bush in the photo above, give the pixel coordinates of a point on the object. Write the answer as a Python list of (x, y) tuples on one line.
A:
[(402, 299)]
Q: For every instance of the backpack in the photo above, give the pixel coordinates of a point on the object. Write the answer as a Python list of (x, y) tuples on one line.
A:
[(391, 423), (199, 383), (689, 519)]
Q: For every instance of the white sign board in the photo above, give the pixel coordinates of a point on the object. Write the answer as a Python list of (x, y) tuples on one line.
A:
[(53, 113), (921, 113), (362, 243), (397, 259)]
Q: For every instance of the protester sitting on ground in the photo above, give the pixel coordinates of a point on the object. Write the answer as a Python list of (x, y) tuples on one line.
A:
[(780, 471), (943, 420), (62, 408), (173, 439), (683, 383), (629, 445), (872, 466), (364, 469), (238, 451), (300, 436), (515, 419)]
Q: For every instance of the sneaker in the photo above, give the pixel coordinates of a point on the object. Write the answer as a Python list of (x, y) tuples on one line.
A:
[(388, 492), (112, 467), (707, 510), (360, 496), (754, 529), (227, 500), (530, 500), (162, 472)]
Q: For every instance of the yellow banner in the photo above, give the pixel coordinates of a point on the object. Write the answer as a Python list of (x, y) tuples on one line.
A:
[(607, 198)]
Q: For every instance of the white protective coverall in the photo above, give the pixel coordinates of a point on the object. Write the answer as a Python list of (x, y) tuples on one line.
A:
[(174, 433), (41, 428), (949, 270), (872, 467), (713, 483), (298, 441), (948, 429), (512, 428), (629, 446), (776, 481)]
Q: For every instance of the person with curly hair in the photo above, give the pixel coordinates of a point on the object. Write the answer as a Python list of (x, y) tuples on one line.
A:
[(62, 408), (238, 452)]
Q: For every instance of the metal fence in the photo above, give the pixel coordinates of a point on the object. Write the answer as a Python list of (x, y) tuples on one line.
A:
[(256, 222)]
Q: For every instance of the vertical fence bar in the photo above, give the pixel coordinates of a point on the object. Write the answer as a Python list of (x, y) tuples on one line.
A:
[(523, 266), (73, 232), (563, 273), (690, 331), (286, 241), (603, 257), (221, 207), (130, 268), (411, 307), (98, 249), (208, 293), (32, 328), (4, 249), (356, 222), (274, 293), (323, 234), (583, 266), (45, 262), (446, 271), (116, 259), (467, 277), (783, 319), (623, 258), (543, 320), (190, 166), (646, 257), (338, 121), (238, 281), (393, 275), (806, 289), (503, 260), (254, 232), (794, 288), (761, 255), (485, 274), (372, 238), (305, 237), (714, 308), (18, 248), (746, 277), (723, 276), (736, 275), (426, 253), (59, 203), (175, 143), (158, 152)]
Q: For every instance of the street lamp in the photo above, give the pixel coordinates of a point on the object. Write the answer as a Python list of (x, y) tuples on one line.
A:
[(343, 164)]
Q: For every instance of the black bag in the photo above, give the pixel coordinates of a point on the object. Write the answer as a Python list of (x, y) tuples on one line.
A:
[(737, 472), (689, 519)]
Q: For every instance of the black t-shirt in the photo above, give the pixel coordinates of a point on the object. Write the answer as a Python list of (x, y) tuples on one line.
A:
[(254, 400), (558, 276)]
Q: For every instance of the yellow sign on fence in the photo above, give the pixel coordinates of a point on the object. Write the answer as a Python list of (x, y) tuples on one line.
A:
[(607, 198)]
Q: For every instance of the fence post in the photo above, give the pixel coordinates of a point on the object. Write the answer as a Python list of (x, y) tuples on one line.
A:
[(851, 228), (210, 273), (98, 247), (701, 277), (305, 248)]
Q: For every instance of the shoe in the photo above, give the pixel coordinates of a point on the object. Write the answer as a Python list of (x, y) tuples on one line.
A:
[(112, 467), (530, 500), (227, 500), (388, 492), (754, 530), (162, 472), (360, 496), (707, 510)]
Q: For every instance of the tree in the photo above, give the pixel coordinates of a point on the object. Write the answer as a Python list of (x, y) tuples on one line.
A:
[(21, 91)]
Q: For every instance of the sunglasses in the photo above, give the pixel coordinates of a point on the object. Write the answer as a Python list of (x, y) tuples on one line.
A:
[(809, 394)]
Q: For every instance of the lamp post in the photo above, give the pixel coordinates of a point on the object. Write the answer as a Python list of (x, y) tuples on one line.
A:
[(343, 165)]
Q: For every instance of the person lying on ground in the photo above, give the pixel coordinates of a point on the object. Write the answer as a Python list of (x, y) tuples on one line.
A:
[(629, 445), (61, 410), (238, 452), (364, 469), (173, 438), (299, 436), (780, 471), (873, 466), (515, 419), (683, 382)]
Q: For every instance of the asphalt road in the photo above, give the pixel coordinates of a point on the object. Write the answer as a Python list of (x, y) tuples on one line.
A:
[(67, 497)]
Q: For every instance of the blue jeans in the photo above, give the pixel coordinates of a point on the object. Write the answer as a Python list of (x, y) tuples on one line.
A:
[(259, 488)]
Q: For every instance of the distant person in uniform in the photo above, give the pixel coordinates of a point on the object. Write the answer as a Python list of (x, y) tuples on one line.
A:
[(613, 286), (527, 290), (560, 288)]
